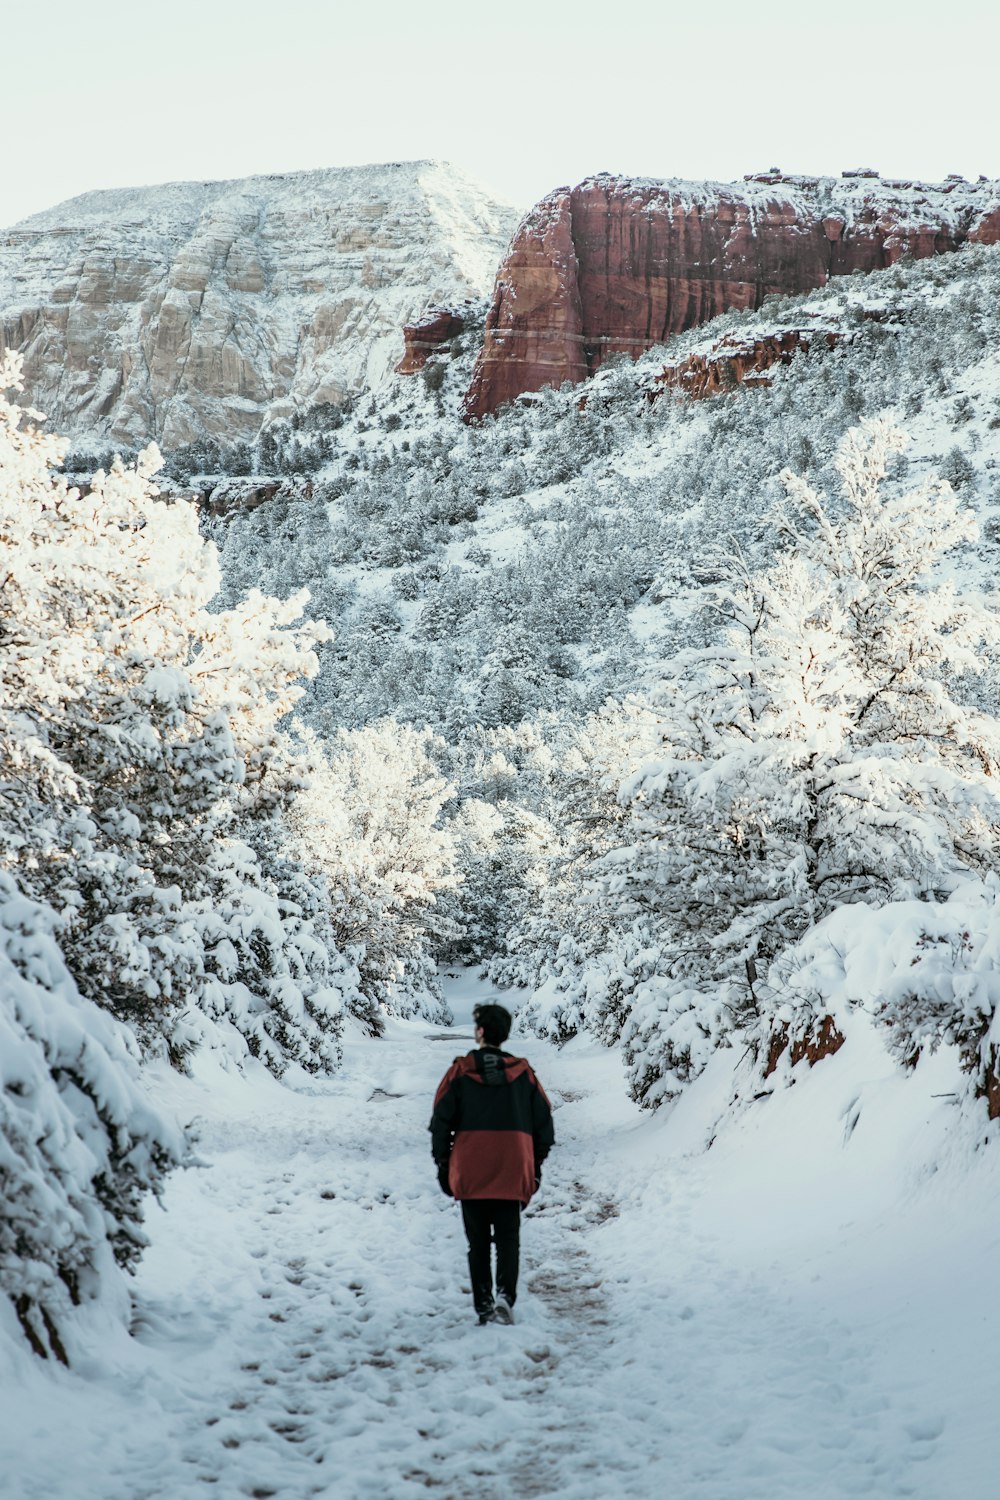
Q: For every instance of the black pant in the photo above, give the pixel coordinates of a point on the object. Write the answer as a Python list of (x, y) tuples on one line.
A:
[(502, 1217)]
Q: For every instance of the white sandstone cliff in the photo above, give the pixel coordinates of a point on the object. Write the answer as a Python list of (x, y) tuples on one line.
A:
[(211, 308)]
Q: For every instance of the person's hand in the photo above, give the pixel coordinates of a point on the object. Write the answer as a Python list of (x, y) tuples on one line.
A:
[(443, 1178)]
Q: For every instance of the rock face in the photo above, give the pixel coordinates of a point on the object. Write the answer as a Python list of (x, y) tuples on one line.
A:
[(434, 331), (535, 326), (823, 1041), (990, 1090), (617, 265), (209, 309), (737, 361)]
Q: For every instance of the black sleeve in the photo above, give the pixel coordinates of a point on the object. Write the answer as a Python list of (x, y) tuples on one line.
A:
[(444, 1123), (542, 1132)]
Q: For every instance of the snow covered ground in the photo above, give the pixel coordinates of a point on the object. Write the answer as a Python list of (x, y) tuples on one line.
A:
[(804, 1309)]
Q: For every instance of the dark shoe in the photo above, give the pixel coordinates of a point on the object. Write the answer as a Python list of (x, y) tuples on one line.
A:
[(487, 1316), (502, 1312)]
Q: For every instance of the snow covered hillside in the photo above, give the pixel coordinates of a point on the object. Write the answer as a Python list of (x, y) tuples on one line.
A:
[(498, 583), (797, 1310), (203, 309), (539, 561)]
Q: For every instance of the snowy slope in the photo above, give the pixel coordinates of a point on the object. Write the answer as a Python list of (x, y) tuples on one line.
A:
[(798, 1309), (207, 308), (562, 540)]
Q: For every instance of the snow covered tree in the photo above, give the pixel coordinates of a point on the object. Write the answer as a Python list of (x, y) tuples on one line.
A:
[(500, 849), (140, 744), (503, 836), (371, 821), (512, 677), (81, 1145), (564, 942), (816, 755)]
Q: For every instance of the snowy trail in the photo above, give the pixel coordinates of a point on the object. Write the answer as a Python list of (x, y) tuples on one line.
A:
[(351, 1363), (304, 1327)]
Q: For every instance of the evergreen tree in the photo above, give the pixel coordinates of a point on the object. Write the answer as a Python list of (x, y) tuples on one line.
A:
[(371, 820), (81, 1144), (816, 755), (140, 745)]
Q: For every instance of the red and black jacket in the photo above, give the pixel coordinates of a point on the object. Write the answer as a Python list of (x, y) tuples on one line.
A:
[(492, 1124)]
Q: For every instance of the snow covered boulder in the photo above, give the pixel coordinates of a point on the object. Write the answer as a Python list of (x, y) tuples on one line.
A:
[(80, 1143)]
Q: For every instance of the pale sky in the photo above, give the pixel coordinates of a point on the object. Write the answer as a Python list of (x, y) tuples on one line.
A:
[(523, 94)]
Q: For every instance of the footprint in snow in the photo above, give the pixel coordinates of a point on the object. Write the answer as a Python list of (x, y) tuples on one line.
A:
[(925, 1429)]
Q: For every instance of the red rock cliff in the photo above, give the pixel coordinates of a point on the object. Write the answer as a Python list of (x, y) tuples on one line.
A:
[(434, 331), (618, 265)]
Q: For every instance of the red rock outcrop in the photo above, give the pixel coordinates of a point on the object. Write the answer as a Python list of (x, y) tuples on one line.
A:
[(617, 265), (823, 1041), (438, 327), (984, 1062), (734, 361), (534, 329)]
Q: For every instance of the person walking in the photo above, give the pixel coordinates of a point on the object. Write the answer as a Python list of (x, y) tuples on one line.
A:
[(491, 1130)]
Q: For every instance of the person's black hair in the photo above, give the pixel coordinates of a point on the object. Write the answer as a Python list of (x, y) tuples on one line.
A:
[(495, 1021)]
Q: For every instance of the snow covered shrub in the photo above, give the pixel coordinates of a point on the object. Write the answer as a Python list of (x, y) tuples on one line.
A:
[(816, 755), (586, 990), (563, 943), (804, 1006), (497, 855), (268, 966), (80, 1144), (139, 736), (928, 972), (476, 902), (945, 984), (371, 822), (503, 838), (673, 1027)]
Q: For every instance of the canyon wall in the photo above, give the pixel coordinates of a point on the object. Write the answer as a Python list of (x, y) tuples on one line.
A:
[(617, 265), (209, 309)]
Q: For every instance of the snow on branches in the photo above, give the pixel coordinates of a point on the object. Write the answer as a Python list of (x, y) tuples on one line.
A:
[(927, 972), (142, 866), (140, 744), (80, 1143), (371, 821), (817, 753)]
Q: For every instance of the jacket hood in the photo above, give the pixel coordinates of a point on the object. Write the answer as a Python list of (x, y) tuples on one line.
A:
[(490, 1066)]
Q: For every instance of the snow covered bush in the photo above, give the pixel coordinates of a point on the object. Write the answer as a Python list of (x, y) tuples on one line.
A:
[(263, 960), (928, 972), (562, 943), (80, 1143), (140, 746), (816, 754), (503, 837), (371, 821), (945, 988)]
